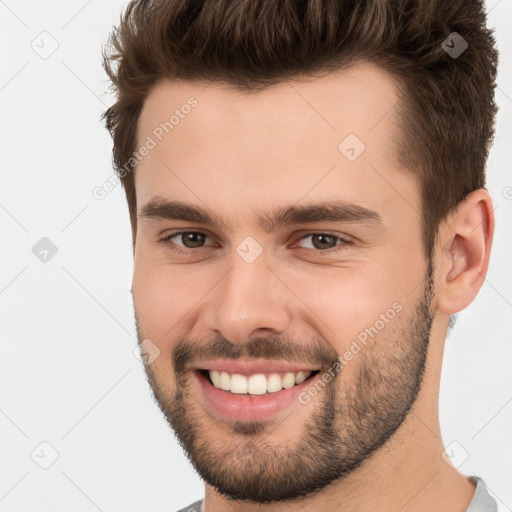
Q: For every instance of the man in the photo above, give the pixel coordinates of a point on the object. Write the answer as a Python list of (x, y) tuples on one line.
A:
[(305, 180)]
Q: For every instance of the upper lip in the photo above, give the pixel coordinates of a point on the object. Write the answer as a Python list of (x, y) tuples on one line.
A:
[(254, 366)]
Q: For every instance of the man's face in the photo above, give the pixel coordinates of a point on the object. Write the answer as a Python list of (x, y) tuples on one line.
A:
[(343, 292)]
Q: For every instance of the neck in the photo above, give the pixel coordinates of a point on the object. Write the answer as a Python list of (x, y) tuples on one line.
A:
[(409, 478)]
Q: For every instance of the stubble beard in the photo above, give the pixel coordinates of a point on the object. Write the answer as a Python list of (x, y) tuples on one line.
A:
[(348, 421)]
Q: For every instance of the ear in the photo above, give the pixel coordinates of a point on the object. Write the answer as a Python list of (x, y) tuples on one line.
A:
[(465, 240)]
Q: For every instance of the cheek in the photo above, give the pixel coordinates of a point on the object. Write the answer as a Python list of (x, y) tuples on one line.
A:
[(163, 296), (354, 311), (342, 302)]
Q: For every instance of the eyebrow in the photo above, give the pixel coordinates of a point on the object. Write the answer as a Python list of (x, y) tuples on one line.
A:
[(158, 208)]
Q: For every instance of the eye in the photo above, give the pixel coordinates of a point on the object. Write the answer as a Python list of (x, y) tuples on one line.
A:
[(325, 242), (189, 240)]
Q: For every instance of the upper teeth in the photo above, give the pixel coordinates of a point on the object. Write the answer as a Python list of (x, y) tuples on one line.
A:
[(257, 384)]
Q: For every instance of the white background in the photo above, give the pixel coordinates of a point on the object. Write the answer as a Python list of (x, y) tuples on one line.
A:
[(68, 375)]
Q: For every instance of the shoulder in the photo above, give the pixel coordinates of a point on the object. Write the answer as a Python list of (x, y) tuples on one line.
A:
[(195, 507), (482, 501)]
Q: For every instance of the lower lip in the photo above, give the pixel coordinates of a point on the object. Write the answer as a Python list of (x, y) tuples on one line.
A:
[(250, 407)]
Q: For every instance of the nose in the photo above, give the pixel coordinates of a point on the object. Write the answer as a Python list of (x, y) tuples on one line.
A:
[(249, 301)]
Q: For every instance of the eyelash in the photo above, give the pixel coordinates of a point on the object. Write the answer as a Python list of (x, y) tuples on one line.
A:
[(316, 252)]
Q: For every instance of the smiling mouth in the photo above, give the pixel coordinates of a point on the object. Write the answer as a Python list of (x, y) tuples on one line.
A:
[(257, 383)]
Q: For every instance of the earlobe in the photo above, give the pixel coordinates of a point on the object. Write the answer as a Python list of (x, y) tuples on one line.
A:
[(465, 240)]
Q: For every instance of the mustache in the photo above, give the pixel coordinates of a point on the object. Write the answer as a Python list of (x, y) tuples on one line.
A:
[(315, 351)]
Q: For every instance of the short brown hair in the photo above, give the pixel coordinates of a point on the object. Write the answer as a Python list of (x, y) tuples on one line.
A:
[(447, 106)]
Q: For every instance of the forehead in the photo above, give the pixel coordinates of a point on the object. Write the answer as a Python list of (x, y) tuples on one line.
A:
[(323, 137)]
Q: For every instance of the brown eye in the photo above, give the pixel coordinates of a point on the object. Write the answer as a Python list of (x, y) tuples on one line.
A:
[(192, 239), (185, 240), (323, 241)]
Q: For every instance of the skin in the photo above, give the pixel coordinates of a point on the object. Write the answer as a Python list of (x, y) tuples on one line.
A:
[(241, 155)]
